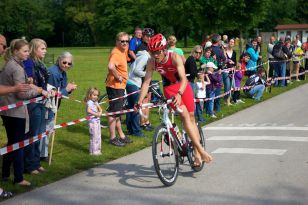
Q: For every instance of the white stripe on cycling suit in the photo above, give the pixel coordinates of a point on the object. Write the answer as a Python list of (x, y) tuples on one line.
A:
[(258, 128), (256, 138), (249, 151)]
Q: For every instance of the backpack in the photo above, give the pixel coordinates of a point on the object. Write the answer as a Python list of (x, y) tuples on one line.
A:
[(278, 53), (251, 81)]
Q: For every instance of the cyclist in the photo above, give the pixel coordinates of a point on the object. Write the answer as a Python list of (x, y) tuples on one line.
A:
[(171, 67)]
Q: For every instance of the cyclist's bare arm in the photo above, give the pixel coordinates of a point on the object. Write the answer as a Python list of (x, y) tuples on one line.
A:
[(178, 62), (147, 80)]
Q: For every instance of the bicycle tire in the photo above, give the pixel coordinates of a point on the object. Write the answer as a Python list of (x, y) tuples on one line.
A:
[(168, 172), (190, 151)]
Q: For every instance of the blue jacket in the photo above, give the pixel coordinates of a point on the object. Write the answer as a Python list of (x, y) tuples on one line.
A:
[(58, 78), (254, 55)]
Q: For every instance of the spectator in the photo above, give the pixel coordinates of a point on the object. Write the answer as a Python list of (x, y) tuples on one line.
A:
[(237, 85), (227, 75), (16, 120), (58, 79), (172, 47), (270, 57), (4, 90), (289, 64), (115, 87), (93, 109), (218, 51), (201, 93), (191, 65), (257, 84), (134, 44), (259, 49), (215, 79), (298, 59), (298, 41), (207, 57), (244, 62), (306, 55), (2, 44), (225, 41), (254, 56), (280, 53), (135, 78), (37, 111)]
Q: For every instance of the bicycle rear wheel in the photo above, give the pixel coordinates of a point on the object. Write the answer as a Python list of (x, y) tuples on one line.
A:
[(190, 151), (166, 163)]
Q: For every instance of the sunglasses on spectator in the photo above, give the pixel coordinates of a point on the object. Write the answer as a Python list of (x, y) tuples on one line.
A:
[(68, 63), (124, 41), (4, 46), (196, 52)]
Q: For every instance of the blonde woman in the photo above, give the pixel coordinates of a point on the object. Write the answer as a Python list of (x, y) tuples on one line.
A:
[(16, 120), (37, 70), (172, 47)]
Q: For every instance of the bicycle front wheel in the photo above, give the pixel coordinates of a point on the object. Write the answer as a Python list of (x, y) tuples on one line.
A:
[(165, 156)]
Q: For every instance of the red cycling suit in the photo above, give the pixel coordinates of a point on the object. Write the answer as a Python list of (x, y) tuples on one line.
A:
[(171, 82)]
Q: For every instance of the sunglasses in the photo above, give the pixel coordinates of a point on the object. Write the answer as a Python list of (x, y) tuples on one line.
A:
[(156, 53), (4, 46), (68, 63), (196, 52), (124, 41)]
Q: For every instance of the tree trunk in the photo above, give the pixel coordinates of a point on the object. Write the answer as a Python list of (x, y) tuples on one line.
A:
[(185, 39), (240, 43)]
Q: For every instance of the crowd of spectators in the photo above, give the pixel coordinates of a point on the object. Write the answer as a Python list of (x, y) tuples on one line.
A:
[(211, 66)]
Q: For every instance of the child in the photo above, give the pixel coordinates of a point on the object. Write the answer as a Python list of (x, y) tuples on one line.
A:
[(244, 61), (207, 57), (201, 93), (237, 84), (215, 79), (93, 109)]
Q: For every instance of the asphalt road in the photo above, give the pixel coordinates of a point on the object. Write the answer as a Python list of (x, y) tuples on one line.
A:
[(260, 158)]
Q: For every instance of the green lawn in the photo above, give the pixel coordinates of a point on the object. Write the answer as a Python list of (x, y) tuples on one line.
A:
[(71, 144)]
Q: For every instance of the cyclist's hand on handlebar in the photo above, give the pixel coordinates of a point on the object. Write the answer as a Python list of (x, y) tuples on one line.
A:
[(177, 99)]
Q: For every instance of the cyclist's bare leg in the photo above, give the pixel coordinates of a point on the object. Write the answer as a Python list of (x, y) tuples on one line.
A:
[(196, 152), (192, 131)]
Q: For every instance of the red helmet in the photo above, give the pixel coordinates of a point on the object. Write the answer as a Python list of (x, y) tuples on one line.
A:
[(157, 43)]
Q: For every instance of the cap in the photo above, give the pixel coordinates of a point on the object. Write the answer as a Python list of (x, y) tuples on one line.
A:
[(211, 65)]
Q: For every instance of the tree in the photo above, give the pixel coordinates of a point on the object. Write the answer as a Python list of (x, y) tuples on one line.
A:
[(25, 18)]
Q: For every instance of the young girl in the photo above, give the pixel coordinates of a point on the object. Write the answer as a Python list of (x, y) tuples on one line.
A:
[(201, 93), (237, 84), (95, 110)]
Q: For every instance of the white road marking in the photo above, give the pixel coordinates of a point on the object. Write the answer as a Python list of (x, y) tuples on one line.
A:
[(258, 128), (255, 138), (249, 151)]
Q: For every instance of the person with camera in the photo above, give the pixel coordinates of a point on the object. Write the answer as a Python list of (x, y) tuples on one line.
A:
[(256, 85), (281, 54)]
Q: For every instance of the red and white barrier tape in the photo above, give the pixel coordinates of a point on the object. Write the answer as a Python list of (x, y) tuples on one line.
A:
[(21, 103), (23, 143), (74, 122)]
